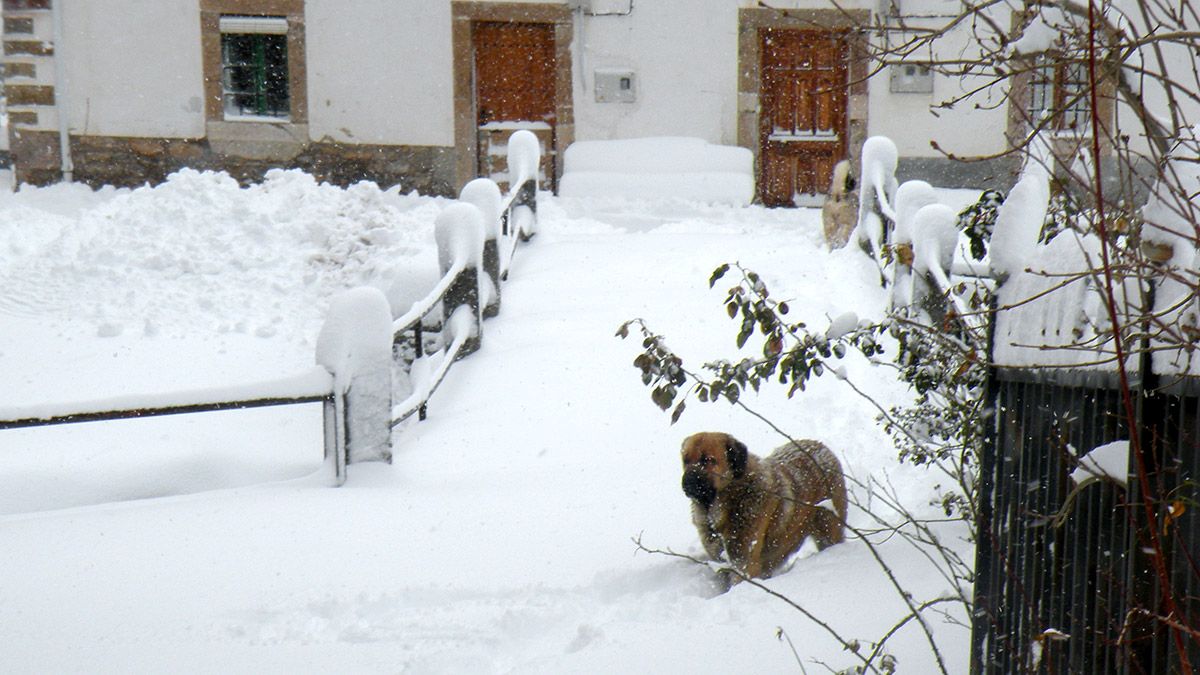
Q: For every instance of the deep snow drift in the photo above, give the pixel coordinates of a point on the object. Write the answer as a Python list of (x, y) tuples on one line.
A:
[(501, 538)]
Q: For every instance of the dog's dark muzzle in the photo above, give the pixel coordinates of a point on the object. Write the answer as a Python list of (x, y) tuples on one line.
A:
[(697, 486)]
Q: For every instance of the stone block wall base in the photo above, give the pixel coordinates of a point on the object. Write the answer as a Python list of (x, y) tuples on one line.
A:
[(130, 162)]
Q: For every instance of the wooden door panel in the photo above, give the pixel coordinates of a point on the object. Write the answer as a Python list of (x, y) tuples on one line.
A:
[(804, 98), (514, 72), (515, 75)]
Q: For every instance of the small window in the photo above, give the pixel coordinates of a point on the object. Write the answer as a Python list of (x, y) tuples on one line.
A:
[(254, 68), (1058, 93)]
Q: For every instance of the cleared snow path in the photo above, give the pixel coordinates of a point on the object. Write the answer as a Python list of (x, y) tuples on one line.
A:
[(500, 540)]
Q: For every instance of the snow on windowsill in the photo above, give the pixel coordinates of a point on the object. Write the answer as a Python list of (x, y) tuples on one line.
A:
[(261, 119)]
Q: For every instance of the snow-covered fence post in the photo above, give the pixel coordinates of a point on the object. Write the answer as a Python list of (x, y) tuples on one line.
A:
[(910, 198), (459, 233), (355, 346), (877, 192), (934, 240), (524, 158), (485, 195)]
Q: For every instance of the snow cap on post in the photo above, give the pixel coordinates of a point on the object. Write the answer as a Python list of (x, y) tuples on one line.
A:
[(879, 160), (459, 234), (935, 238), (355, 346), (911, 196), (876, 193), (524, 155), (485, 195)]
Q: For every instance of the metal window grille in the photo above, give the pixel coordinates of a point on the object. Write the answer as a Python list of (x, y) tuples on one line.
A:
[(1059, 92), (254, 68)]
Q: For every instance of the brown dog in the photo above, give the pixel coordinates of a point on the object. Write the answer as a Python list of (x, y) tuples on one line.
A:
[(839, 214), (756, 512)]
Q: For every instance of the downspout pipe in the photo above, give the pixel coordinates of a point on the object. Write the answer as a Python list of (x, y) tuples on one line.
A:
[(60, 94)]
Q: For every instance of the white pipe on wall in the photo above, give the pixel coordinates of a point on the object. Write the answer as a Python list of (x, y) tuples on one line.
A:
[(60, 94)]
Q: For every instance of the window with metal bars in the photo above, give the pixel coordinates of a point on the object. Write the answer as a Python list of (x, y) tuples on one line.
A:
[(1058, 97), (254, 70)]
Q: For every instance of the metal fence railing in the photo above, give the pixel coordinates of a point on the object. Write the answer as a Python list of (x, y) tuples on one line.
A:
[(1065, 580)]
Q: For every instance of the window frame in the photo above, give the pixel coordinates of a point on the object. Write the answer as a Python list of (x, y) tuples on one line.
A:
[(249, 12), (1059, 89), (269, 105)]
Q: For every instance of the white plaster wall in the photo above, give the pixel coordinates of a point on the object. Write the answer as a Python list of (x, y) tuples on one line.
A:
[(380, 71), (972, 127), (683, 54), (121, 81)]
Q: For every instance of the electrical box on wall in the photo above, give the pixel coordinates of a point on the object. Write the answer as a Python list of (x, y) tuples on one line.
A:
[(911, 78), (614, 85)]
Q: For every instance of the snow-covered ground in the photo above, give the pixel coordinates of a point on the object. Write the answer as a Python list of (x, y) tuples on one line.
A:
[(501, 539)]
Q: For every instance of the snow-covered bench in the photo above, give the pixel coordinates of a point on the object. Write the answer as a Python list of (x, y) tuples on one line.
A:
[(659, 168)]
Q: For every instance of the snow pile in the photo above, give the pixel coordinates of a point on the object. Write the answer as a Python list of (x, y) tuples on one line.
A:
[(1046, 30), (935, 240), (1053, 307), (841, 325), (689, 169), (484, 194), (1109, 461), (524, 157), (200, 251), (1019, 221), (1171, 218), (1055, 314), (910, 198)]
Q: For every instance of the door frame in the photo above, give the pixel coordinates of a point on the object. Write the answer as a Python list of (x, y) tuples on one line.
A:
[(751, 23), (465, 14)]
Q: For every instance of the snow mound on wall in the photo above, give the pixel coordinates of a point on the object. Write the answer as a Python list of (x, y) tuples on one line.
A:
[(201, 248), (1109, 461), (1019, 221), (1171, 218), (659, 168), (1059, 303)]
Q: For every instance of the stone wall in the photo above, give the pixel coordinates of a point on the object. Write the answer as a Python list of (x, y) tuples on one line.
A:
[(133, 161)]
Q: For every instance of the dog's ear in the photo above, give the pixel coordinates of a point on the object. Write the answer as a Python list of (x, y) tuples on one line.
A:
[(735, 454)]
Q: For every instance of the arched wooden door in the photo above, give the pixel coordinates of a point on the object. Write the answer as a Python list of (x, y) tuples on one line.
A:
[(515, 74), (804, 126)]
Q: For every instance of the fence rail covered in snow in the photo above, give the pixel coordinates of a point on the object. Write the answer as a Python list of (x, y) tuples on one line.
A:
[(360, 344), (469, 237), (314, 387)]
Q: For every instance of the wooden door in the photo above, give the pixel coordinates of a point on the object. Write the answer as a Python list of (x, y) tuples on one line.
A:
[(514, 89), (803, 122)]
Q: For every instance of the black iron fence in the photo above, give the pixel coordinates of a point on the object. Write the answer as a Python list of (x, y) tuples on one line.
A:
[(1067, 580)]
